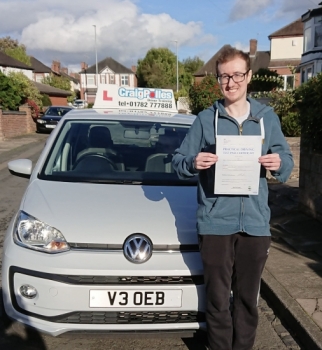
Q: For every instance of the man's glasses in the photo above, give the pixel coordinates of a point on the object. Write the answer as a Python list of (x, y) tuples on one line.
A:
[(236, 77)]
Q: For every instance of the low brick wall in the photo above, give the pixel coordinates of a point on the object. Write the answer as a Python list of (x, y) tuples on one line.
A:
[(295, 143), (310, 191), (14, 123)]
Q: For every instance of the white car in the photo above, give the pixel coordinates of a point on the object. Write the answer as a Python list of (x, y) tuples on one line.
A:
[(105, 237), (79, 104)]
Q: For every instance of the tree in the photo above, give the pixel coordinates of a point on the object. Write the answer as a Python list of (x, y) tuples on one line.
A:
[(15, 50), (27, 91), (157, 69), (10, 97), (58, 82), (204, 94), (192, 65)]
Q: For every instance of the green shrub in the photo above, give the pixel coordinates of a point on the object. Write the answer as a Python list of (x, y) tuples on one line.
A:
[(309, 103), (203, 95), (284, 104), (265, 80), (46, 100)]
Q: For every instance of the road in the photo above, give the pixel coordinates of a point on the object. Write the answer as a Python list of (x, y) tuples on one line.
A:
[(271, 333)]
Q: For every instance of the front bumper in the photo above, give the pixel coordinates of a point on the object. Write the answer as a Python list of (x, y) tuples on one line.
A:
[(64, 281)]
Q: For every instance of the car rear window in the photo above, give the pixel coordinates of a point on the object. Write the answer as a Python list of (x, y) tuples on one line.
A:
[(137, 152)]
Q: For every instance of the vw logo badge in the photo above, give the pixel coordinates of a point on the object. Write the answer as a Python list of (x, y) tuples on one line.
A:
[(137, 248)]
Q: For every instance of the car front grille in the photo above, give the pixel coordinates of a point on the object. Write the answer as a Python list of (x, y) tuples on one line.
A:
[(132, 280), (133, 317)]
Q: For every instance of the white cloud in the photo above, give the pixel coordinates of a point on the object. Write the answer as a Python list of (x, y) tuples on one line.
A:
[(247, 8), (241, 46), (64, 30)]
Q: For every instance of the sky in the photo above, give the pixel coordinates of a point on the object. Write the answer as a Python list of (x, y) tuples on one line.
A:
[(126, 29)]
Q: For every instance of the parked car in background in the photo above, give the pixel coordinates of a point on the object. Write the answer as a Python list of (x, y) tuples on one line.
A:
[(51, 117), (80, 104)]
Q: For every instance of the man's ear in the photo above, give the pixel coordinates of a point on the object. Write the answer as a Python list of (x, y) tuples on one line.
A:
[(249, 76)]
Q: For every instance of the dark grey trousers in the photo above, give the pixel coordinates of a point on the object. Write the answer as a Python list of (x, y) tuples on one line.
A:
[(232, 263)]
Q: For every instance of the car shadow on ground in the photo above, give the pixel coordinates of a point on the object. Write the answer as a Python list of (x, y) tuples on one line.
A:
[(15, 336), (198, 342)]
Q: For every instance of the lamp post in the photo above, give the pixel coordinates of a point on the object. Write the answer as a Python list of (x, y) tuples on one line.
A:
[(176, 41), (94, 25)]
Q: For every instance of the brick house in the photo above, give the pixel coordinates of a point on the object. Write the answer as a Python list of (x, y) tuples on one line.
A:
[(109, 72), (258, 59), (286, 50)]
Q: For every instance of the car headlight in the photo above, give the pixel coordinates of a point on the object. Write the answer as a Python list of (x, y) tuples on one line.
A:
[(40, 121), (35, 234)]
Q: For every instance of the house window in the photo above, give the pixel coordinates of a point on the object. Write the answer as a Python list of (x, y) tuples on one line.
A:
[(289, 82), (90, 80), (309, 73), (318, 31), (124, 80), (112, 79), (318, 36), (39, 78), (307, 39), (103, 79), (303, 76)]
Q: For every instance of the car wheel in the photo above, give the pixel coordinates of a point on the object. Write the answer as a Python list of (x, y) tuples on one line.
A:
[(4, 319)]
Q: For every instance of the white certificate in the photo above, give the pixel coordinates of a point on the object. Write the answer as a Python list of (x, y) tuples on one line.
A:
[(237, 169)]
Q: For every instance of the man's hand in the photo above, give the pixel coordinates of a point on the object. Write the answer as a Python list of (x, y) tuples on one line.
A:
[(205, 160), (270, 161)]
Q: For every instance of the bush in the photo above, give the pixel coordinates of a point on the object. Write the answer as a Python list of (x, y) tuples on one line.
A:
[(203, 95), (10, 98), (265, 80), (284, 104), (309, 103), (46, 102)]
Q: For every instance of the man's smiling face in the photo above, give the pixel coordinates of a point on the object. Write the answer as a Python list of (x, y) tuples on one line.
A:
[(232, 91)]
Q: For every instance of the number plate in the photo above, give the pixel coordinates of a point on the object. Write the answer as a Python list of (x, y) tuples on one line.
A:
[(50, 126), (135, 298)]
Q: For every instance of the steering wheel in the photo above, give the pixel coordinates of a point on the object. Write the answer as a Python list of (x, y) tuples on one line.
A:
[(88, 156)]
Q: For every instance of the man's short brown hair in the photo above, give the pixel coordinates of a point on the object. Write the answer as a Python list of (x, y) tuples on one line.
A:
[(228, 54)]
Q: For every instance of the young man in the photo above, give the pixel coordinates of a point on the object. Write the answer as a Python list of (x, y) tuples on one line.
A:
[(234, 231)]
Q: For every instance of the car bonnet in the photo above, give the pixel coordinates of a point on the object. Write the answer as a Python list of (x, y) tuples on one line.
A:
[(108, 213)]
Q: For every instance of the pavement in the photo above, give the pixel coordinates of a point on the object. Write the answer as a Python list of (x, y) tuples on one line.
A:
[(292, 277)]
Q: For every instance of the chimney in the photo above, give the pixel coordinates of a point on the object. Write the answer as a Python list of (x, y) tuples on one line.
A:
[(84, 65), (133, 69), (64, 70), (252, 47), (55, 66)]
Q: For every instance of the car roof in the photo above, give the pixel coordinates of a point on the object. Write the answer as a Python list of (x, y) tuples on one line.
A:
[(57, 106), (125, 115)]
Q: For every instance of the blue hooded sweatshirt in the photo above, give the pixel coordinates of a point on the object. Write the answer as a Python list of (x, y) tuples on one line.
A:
[(229, 214)]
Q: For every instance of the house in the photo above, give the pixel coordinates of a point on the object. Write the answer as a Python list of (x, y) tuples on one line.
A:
[(109, 71), (57, 96), (311, 61), (74, 78), (36, 72), (9, 64), (41, 71), (286, 48), (258, 59)]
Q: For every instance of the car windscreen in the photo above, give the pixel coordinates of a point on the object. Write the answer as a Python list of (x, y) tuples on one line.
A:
[(57, 111), (113, 151)]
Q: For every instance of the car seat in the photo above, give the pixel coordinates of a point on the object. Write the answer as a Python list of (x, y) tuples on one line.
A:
[(100, 142)]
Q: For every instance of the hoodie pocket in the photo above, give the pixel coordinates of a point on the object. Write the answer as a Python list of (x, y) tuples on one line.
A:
[(224, 209)]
